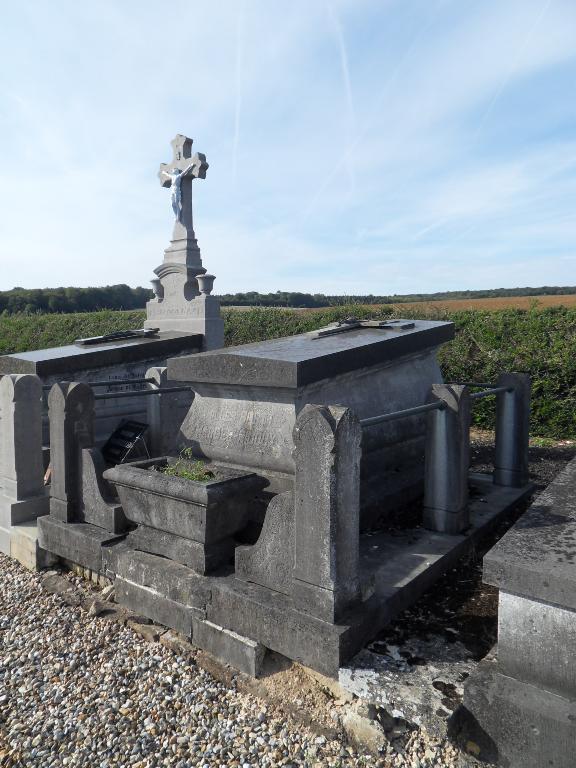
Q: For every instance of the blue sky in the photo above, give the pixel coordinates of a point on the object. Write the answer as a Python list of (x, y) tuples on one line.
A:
[(355, 146)]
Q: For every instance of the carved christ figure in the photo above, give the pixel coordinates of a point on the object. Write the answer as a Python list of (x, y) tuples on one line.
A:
[(176, 175)]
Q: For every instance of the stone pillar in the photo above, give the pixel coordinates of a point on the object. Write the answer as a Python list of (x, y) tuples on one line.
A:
[(71, 413), (327, 510), (447, 460), (512, 430), (21, 466), (166, 412)]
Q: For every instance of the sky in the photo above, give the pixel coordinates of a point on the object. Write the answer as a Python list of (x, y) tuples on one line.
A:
[(355, 146)]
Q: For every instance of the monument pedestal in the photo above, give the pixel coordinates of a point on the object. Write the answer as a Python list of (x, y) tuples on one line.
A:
[(199, 315), (520, 710)]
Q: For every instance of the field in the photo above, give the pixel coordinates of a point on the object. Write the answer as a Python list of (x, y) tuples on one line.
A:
[(539, 340), (457, 305), (503, 302)]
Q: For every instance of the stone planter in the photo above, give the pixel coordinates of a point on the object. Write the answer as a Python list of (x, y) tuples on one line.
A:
[(188, 521)]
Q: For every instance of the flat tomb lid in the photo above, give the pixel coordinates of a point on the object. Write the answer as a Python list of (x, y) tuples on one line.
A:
[(295, 361), (75, 357)]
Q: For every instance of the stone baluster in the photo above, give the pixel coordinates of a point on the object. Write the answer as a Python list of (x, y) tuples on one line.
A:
[(327, 510), (447, 460), (22, 495), (71, 413), (512, 430), (166, 412)]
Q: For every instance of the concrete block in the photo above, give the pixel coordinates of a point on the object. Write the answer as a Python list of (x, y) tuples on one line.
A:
[(79, 542), (111, 552), (271, 619), (535, 557), (162, 610), (192, 554), (517, 724), (25, 548), (229, 647), (537, 643), (164, 577), (15, 512)]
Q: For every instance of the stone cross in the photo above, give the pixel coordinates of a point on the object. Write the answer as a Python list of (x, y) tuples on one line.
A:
[(178, 175), (182, 300)]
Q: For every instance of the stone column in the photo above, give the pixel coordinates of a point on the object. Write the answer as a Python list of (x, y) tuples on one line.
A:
[(447, 460), (512, 430), (21, 467), (327, 510), (166, 412), (71, 413)]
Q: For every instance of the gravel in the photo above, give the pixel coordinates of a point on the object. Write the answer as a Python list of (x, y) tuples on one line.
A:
[(81, 690)]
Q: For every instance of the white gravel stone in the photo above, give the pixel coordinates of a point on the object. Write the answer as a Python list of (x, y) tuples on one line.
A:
[(79, 690)]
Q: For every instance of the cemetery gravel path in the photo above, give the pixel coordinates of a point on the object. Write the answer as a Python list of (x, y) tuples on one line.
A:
[(77, 690)]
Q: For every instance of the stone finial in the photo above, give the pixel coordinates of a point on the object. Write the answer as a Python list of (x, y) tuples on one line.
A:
[(157, 288), (71, 413), (21, 465), (206, 283)]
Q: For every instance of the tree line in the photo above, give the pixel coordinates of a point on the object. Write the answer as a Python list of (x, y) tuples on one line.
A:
[(118, 297), (30, 301)]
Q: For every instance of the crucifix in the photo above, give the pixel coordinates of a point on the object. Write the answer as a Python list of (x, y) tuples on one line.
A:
[(178, 176), (182, 288)]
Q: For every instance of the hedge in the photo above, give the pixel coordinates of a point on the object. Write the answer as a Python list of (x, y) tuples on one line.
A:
[(541, 342)]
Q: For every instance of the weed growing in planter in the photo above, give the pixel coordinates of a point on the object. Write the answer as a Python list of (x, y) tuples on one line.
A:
[(188, 469)]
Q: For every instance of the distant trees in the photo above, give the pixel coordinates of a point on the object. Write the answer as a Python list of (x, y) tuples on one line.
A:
[(73, 299), (29, 301)]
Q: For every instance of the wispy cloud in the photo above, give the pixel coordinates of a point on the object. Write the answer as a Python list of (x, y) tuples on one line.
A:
[(238, 84), (347, 84), (513, 66), (348, 156)]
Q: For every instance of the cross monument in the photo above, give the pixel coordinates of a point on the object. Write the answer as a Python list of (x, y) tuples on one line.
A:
[(182, 288)]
